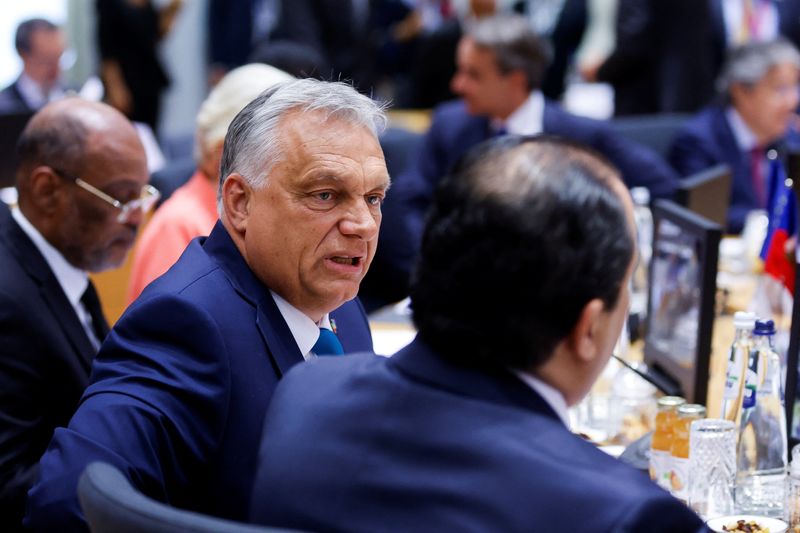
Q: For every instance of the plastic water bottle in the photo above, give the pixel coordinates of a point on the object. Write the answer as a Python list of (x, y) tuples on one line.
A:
[(644, 231), (762, 452), (733, 395)]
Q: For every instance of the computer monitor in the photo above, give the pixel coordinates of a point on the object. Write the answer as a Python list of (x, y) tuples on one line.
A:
[(707, 193), (681, 293), (11, 125)]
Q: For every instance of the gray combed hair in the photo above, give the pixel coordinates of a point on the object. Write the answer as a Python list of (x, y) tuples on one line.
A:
[(253, 142), (749, 63)]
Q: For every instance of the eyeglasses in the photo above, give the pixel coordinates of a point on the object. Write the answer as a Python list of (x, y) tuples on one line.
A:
[(148, 197)]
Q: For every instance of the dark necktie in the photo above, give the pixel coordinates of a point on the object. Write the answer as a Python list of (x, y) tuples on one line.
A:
[(327, 343), (91, 303), (757, 175)]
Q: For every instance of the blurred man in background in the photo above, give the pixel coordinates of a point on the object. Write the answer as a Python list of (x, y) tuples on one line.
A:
[(758, 90), (40, 44)]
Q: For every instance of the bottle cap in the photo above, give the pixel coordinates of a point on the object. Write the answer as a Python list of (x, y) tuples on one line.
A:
[(640, 195), (744, 320), (692, 409), (764, 327), (670, 402)]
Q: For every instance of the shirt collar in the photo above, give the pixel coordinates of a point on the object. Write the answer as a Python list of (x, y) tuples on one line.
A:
[(73, 281), (745, 138), (528, 118), (303, 329), (34, 95), (550, 394)]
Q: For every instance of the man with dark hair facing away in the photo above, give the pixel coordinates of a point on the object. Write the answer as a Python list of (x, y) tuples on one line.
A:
[(519, 296)]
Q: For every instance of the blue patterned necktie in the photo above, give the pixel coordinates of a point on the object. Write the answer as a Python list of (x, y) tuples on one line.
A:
[(327, 343)]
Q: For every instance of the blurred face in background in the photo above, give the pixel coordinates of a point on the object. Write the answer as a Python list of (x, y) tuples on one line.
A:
[(768, 107), (42, 61), (485, 89)]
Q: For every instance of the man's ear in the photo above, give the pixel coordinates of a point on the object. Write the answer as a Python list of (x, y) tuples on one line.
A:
[(738, 91), (236, 199), (584, 337), (46, 190), (519, 79)]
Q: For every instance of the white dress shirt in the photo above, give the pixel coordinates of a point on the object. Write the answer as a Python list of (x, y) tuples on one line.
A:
[(34, 95), (527, 119), (303, 329), (550, 394), (745, 138), (73, 281)]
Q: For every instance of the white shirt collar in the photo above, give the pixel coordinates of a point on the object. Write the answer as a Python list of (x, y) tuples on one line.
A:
[(550, 394), (34, 95), (73, 281), (745, 138), (303, 329), (528, 118)]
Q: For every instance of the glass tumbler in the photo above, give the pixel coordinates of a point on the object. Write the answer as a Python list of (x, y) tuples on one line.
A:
[(712, 467)]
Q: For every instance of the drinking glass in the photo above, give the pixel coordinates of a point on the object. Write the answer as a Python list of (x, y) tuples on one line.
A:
[(712, 467)]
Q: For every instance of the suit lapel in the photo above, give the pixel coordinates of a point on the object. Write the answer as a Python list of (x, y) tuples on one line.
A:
[(281, 346), (37, 268)]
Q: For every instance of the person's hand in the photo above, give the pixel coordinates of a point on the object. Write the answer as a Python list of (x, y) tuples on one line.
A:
[(119, 97), (588, 70), (408, 28)]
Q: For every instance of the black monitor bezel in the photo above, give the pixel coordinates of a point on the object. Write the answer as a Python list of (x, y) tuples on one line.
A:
[(693, 382), (692, 187)]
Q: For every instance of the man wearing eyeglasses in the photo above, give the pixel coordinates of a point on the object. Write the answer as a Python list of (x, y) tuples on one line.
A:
[(82, 183), (40, 44)]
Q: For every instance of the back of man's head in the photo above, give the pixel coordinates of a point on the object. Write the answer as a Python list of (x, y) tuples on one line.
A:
[(514, 44), (234, 91), (521, 236)]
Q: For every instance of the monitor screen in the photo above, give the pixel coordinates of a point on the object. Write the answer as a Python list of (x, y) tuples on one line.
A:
[(681, 298)]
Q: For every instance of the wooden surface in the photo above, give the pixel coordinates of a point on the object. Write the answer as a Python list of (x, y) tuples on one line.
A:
[(416, 120)]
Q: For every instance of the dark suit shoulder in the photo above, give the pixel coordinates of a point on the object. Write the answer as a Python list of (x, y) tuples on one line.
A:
[(702, 142), (11, 100)]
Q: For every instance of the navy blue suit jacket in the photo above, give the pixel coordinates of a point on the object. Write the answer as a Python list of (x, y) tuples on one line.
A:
[(179, 390), (414, 443), (454, 131), (11, 100), (707, 140)]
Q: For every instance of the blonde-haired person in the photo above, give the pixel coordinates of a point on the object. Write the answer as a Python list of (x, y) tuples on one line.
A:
[(191, 211)]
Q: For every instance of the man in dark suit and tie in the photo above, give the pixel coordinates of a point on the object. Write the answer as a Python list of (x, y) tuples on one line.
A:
[(40, 44), (75, 157), (747, 130), (181, 385), (520, 294), (500, 65)]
